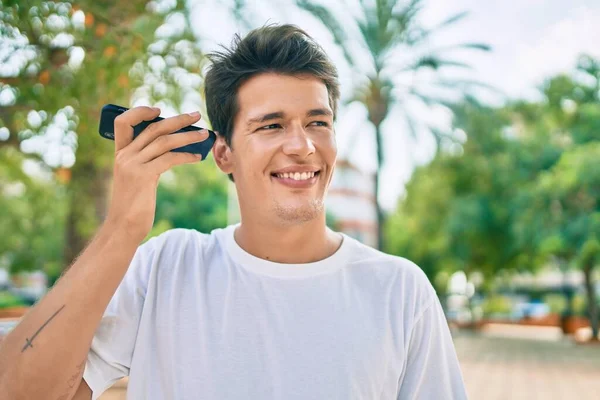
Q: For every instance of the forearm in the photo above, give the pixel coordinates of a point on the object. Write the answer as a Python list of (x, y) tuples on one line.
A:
[(44, 356)]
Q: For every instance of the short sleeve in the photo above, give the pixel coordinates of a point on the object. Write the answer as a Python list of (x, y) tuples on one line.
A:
[(432, 370), (110, 355)]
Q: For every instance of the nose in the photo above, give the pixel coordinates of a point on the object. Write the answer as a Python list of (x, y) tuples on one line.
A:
[(297, 142)]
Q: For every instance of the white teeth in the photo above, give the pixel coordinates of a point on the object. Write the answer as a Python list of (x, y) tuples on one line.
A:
[(297, 176)]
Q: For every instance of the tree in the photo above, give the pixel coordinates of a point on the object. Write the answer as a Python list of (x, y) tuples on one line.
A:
[(457, 212), (416, 230), (193, 197), (388, 28), (523, 189), (64, 63), (32, 210), (569, 196), (554, 220)]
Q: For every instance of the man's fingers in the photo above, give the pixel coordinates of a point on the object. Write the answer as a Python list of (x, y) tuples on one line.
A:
[(164, 127), (166, 143), (125, 122), (168, 160)]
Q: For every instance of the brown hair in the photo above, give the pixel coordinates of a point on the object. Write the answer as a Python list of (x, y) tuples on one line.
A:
[(284, 49)]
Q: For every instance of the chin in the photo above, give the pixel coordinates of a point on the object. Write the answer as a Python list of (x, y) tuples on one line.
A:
[(305, 212)]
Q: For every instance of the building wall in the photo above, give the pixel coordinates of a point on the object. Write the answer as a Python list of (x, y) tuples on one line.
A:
[(351, 202)]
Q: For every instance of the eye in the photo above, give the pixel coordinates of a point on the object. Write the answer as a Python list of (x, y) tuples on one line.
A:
[(320, 123), (269, 127)]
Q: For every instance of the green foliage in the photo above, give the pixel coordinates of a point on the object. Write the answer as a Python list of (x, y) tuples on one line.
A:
[(524, 186), (456, 212), (496, 305), (8, 300), (579, 304), (556, 302), (194, 197), (32, 213), (331, 221), (66, 61), (416, 229), (565, 206), (522, 191)]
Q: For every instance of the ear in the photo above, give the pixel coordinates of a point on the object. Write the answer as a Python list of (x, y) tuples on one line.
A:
[(222, 155)]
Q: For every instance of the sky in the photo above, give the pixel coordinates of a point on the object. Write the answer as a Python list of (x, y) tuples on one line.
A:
[(531, 40)]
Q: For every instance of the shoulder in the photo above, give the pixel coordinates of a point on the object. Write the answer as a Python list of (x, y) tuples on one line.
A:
[(179, 240), (177, 236), (379, 262), (173, 255), (407, 281), (178, 249)]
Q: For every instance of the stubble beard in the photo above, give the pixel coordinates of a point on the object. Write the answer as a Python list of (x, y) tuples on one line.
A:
[(299, 214)]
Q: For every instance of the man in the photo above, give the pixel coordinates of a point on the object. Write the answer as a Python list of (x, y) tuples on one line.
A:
[(276, 307)]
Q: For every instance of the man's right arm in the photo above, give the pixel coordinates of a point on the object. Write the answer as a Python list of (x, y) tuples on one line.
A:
[(45, 355)]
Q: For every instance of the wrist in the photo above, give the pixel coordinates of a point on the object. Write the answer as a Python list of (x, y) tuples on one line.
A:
[(120, 233)]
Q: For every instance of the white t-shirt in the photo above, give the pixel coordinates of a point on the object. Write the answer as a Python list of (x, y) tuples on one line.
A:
[(197, 317)]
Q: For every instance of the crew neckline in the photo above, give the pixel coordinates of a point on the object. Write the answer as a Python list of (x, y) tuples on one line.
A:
[(282, 270)]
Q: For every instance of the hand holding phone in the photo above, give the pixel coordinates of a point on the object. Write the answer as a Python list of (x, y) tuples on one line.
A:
[(145, 147), (111, 111)]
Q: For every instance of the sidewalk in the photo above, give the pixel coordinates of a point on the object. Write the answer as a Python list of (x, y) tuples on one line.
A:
[(503, 368)]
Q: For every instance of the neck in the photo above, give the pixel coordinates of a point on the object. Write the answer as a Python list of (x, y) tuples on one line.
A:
[(288, 244)]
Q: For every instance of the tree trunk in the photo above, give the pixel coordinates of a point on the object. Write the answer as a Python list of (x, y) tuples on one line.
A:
[(379, 211), (591, 297), (88, 193)]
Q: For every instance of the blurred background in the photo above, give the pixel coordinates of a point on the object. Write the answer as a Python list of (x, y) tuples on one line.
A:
[(469, 143)]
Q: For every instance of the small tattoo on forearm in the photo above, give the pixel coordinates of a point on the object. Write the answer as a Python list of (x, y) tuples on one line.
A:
[(29, 342)]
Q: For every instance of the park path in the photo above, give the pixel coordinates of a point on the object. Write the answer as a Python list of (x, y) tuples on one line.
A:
[(509, 368)]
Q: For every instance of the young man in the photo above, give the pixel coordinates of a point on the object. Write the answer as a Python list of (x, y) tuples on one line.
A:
[(276, 307)]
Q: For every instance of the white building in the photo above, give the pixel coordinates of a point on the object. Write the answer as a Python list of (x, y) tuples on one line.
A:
[(351, 202)]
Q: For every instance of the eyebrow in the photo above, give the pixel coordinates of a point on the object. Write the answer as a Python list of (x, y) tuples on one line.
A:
[(280, 114)]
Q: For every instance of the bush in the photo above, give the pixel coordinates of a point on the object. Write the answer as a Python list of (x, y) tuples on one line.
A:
[(579, 304), (556, 302), (497, 304), (8, 300)]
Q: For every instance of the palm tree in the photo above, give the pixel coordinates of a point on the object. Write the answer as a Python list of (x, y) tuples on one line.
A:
[(386, 28)]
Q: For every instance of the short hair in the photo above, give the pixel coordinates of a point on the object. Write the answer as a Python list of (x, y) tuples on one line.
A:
[(284, 49)]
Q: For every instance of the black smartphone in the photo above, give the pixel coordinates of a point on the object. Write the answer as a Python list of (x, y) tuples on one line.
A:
[(107, 130)]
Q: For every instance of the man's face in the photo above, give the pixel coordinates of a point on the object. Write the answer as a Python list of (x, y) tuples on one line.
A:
[(283, 147)]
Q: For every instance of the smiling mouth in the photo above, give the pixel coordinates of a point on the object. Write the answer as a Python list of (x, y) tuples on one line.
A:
[(297, 176)]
